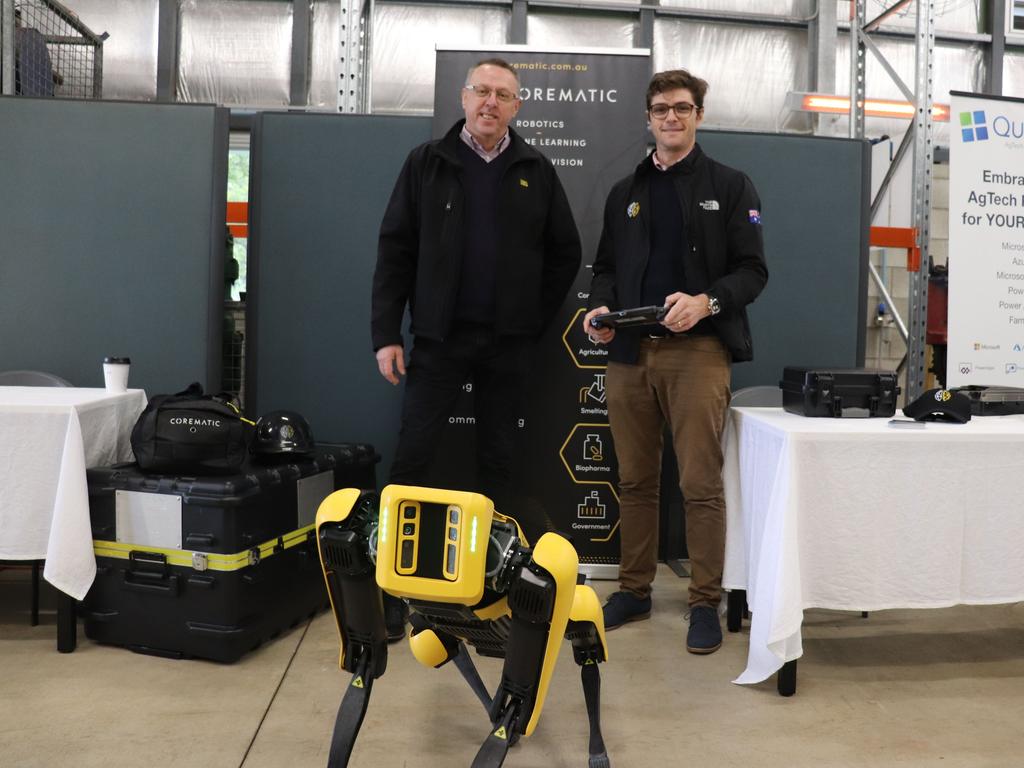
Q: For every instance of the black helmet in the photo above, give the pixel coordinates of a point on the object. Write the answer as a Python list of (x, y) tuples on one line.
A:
[(281, 432)]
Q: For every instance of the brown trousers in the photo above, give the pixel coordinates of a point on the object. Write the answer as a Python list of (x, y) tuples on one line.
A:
[(682, 381)]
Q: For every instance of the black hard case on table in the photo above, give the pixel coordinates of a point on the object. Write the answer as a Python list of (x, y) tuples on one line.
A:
[(994, 401), (830, 392), (247, 565)]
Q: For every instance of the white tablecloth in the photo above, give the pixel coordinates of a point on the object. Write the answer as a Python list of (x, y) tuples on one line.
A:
[(857, 515), (48, 436)]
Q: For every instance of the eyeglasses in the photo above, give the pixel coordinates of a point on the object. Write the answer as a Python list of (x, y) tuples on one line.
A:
[(682, 109), (483, 91)]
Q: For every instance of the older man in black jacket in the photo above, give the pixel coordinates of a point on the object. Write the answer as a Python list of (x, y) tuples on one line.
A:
[(683, 232), (479, 241)]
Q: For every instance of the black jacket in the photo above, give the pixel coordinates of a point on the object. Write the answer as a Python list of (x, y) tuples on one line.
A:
[(721, 212), (419, 254)]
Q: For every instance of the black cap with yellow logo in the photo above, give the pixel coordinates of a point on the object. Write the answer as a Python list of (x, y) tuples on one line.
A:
[(940, 405)]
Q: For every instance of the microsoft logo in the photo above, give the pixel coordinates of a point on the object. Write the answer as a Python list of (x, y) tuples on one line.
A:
[(972, 126)]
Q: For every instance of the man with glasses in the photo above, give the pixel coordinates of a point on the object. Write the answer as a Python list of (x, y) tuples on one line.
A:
[(479, 242), (683, 232)]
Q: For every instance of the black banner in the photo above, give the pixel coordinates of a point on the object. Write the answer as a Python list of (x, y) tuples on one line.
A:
[(584, 109)]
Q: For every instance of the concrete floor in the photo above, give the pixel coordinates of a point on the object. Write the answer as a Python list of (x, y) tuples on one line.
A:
[(901, 688)]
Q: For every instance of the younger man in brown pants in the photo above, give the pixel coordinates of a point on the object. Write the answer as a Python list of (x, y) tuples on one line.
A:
[(683, 231)]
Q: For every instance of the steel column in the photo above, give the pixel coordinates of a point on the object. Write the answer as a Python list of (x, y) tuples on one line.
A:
[(922, 180), (298, 87), (858, 66), (822, 34), (996, 23), (351, 87), (7, 47)]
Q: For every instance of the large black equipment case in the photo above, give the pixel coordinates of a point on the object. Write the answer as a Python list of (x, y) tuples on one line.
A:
[(994, 401), (211, 567), (829, 392)]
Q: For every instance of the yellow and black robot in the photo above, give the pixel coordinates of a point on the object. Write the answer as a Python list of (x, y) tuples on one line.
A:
[(469, 576)]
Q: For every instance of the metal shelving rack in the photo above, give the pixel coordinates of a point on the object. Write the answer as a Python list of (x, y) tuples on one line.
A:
[(920, 136)]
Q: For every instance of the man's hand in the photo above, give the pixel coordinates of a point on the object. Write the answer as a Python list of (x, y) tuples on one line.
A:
[(684, 311), (389, 359), (597, 335)]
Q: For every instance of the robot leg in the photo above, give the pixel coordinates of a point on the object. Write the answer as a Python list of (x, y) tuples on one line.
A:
[(342, 523), (586, 632), (433, 648), (540, 598)]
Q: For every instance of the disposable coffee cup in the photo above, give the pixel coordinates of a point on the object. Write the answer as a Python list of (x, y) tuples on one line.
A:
[(115, 373)]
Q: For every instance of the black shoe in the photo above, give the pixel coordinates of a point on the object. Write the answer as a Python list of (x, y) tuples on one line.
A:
[(623, 607), (705, 635), (396, 612)]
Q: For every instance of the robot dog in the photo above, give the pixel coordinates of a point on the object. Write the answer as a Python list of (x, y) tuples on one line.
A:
[(468, 576)]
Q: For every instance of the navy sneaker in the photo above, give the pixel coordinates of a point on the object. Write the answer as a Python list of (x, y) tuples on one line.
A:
[(705, 635), (623, 607)]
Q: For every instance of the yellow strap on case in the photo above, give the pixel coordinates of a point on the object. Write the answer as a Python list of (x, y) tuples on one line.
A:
[(207, 561)]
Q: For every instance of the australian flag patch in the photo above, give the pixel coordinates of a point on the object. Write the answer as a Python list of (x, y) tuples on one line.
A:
[(754, 216)]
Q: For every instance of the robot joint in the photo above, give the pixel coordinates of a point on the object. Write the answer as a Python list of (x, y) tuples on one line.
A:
[(344, 552), (532, 596)]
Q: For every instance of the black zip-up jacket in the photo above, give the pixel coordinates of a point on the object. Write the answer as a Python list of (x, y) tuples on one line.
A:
[(721, 213), (420, 250)]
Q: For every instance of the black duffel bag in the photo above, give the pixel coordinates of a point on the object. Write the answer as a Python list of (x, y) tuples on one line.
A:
[(191, 433)]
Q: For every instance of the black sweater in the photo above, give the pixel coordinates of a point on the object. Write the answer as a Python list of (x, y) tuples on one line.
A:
[(420, 249), (722, 219)]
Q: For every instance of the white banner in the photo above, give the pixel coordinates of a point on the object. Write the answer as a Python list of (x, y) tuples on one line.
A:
[(986, 242)]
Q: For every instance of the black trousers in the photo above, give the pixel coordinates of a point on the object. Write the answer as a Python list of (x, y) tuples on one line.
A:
[(498, 367)]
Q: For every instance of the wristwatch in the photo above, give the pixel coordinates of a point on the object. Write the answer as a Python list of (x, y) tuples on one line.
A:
[(714, 307)]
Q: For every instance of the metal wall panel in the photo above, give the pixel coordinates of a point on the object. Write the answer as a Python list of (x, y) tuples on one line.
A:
[(324, 66), (404, 41), (741, 94), (235, 52), (129, 54), (798, 8), (553, 29)]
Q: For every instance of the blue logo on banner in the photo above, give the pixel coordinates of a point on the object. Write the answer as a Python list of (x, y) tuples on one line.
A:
[(972, 126)]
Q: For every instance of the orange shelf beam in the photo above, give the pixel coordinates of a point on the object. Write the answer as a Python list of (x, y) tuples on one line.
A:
[(238, 219), (899, 237)]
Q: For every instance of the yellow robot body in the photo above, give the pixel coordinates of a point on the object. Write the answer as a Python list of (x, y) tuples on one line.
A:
[(432, 544), (469, 578)]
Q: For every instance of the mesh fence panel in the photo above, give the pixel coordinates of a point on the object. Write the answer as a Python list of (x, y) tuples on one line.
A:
[(55, 53)]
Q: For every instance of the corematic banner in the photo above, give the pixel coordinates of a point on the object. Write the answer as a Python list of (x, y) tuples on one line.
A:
[(986, 241), (584, 109)]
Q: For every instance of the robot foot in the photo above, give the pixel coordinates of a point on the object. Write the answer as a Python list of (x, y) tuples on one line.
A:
[(351, 713), (592, 693), (493, 751)]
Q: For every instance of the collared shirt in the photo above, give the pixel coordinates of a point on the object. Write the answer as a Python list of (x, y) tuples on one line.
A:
[(472, 143), (661, 166)]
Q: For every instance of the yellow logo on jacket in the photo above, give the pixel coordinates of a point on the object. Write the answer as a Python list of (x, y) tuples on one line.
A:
[(524, 183), (633, 210)]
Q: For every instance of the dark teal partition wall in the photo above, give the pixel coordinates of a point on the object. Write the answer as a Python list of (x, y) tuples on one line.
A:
[(319, 187), (815, 197), (112, 239), (320, 184)]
